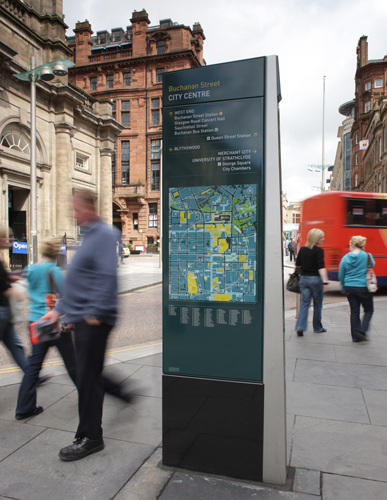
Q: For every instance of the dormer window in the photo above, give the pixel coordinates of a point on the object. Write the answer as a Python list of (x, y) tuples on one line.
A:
[(102, 38)]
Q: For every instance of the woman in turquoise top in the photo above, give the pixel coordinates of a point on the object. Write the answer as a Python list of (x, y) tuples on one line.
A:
[(42, 278), (353, 278)]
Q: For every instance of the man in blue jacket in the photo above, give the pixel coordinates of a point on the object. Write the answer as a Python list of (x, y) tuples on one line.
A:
[(90, 302)]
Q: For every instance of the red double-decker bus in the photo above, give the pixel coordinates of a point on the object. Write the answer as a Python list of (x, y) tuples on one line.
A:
[(341, 215)]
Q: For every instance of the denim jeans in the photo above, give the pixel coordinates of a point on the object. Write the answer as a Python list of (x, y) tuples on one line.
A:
[(10, 338), (310, 287), (357, 296), (27, 393)]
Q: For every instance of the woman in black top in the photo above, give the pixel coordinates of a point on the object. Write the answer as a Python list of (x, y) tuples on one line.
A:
[(313, 281)]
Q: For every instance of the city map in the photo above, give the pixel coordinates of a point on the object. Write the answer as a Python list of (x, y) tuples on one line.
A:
[(213, 243)]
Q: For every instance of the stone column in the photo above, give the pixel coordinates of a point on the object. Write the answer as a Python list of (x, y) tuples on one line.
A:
[(105, 189), (64, 220)]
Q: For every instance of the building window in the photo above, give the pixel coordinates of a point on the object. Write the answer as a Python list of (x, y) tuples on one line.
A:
[(125, 113), (135, 221), (155, 164), (378, 83), (367, 86), (114, 165), (152, 216), (93, 83), (102, 39), (367, 106), (126, 79), (81, 161), (125, 150), (380, 148), (116, 36), (149, 240), (356, 159), (160, 47), (109, 81), (355, 179), (156, 111), (17, 141), (159, 75), (357, 139), (114, 110), (296, 218)]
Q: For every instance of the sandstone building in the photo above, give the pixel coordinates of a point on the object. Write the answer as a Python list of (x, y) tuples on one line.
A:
[(126, 65), (75, 131), (369, 165), (341, 179)]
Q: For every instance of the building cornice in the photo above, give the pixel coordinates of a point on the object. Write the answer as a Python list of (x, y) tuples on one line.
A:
[(40, 39), (93, 67)]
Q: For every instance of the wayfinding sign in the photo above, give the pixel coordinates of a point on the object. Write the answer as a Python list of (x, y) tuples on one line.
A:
[(213, 217)]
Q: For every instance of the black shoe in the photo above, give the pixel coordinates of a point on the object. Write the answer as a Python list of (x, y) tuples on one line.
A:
[(300, 333), (361, 336), (80, 448), (33, 413), (44, 379)]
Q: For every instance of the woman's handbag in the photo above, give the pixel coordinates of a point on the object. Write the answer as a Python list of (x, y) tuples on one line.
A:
[(372, 282), (293, 282)]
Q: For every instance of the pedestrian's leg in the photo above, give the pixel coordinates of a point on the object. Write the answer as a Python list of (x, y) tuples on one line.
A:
[(354, 304), (26, 401), (318, 296), (66, 348), (367, 301), (306, 297), (90, 343), (15, 346)]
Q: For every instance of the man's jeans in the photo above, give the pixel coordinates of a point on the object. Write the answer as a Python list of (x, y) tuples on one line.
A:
[(357, 296), (310, 287), (10, 338)]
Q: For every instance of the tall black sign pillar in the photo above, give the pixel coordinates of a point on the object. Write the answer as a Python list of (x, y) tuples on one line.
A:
[(223, 342)]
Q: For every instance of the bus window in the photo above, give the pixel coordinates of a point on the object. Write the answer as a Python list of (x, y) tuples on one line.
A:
[(371, 212)]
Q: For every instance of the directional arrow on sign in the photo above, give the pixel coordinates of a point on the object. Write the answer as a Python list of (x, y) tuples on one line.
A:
[(171, 113), (254, 151), (170, 149), (255, 134)]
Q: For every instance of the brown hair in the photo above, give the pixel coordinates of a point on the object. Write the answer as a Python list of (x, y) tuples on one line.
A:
[(51, 248), (86, 196), (358, 241)]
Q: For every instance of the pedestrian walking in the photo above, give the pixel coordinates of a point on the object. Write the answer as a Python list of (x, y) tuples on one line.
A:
[(90, 302), (313, 281), (353, 278), (291, 249), (287, 246), (8, 334), (44, 280)]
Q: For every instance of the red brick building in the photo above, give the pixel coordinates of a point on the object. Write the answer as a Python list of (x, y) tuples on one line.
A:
[(370, 81), (127, 66)]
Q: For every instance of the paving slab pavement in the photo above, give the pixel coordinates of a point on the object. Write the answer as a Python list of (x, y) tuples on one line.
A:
[(336, 427)]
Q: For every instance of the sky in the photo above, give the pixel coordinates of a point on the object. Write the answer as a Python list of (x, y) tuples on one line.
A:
[(312, 38)]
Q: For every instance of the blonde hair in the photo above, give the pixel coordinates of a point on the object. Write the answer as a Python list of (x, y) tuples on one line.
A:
[(314, 236), (51, 248), (358, 241)]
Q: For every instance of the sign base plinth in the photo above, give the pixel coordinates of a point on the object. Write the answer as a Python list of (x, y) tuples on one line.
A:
[(213, 426)]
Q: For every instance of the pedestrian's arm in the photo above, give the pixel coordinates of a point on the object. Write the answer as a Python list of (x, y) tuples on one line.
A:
[(342, 272)]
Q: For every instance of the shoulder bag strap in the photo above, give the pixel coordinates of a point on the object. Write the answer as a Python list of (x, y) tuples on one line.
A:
[(52, 283), (369, 264)]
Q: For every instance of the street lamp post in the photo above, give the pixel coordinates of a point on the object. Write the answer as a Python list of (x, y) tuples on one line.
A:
[(45, 72), (160, 150)]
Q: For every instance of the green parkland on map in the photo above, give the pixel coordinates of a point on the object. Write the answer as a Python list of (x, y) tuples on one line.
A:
[(213, 243)]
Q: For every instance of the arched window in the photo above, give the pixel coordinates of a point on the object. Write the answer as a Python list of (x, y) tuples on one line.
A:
[(15, 139)]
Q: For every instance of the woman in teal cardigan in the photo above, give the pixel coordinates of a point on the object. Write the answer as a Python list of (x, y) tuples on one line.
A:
[(353, 278)]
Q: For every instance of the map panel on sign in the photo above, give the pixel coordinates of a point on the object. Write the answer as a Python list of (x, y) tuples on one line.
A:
[(213, 243)]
